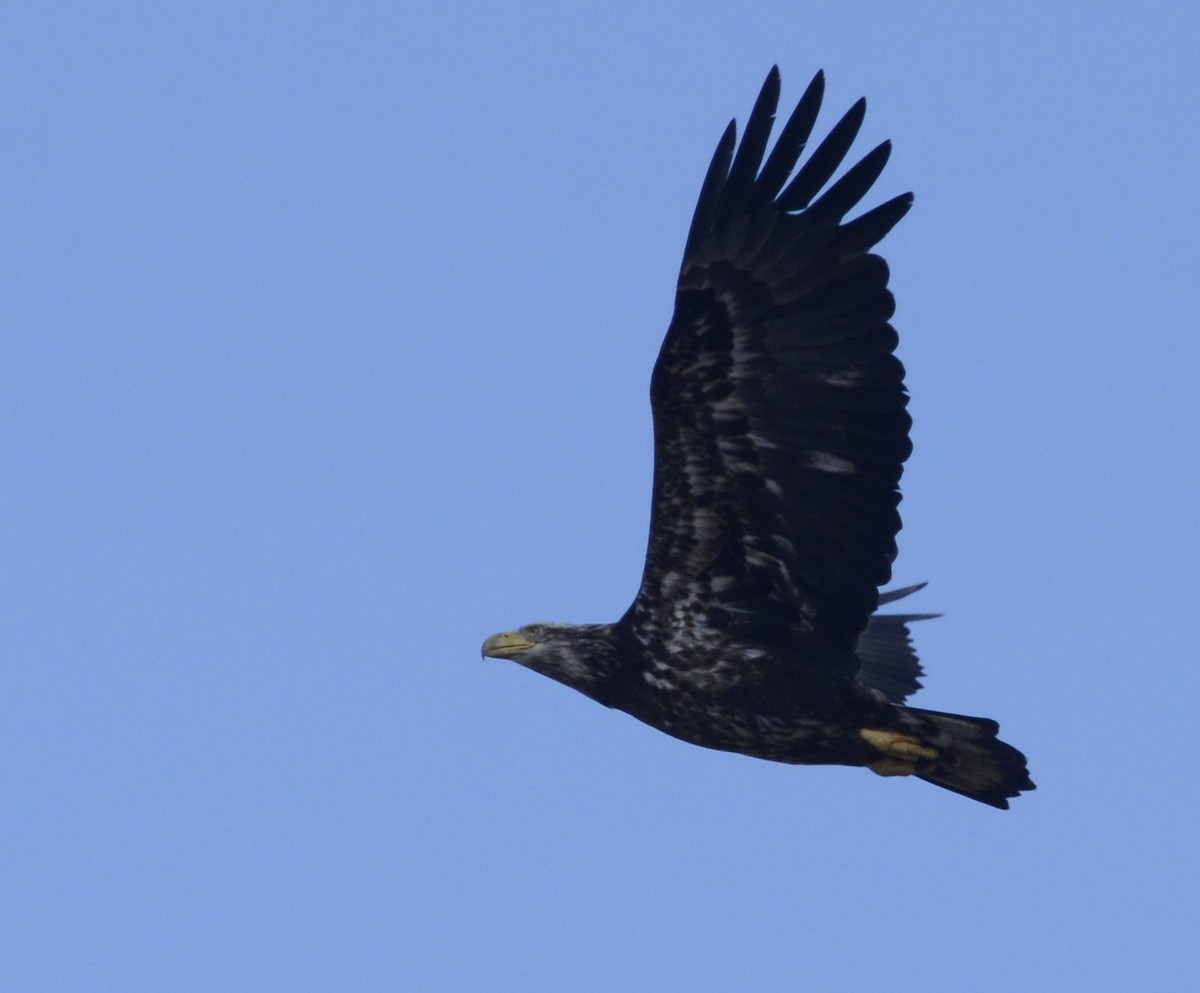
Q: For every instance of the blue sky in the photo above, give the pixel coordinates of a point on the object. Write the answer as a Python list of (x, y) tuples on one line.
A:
[(327, 334)]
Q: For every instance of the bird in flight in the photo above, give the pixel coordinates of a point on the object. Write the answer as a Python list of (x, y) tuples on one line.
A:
[(780, 434)]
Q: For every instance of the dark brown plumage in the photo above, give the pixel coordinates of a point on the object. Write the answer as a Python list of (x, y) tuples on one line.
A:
[(780, 435)]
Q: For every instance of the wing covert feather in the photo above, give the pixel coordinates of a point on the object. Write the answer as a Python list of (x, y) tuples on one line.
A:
[(779, 406)]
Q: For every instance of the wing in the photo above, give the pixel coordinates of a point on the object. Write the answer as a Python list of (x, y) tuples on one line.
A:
[(780, 427)]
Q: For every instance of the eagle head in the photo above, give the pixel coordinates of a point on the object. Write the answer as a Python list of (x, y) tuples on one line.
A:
[(579, 655)]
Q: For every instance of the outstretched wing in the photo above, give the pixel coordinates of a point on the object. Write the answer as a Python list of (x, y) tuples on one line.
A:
[(779, 409)]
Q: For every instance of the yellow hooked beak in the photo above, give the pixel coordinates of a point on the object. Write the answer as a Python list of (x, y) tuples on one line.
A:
[(505, 645)]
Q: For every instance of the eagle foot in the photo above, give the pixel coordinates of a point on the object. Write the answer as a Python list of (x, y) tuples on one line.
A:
[(902, 748), (892, 767)]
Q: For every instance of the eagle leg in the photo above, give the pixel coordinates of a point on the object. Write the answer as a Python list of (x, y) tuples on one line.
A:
[(892, 767), (901, 752)]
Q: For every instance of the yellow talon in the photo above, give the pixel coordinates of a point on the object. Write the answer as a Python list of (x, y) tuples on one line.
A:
[(899, 746), (892, 767)]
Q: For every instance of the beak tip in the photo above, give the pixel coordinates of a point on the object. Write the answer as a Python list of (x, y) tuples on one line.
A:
[(504, 646)]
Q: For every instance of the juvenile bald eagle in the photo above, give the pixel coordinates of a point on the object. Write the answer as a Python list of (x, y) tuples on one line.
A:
[(780, 432)]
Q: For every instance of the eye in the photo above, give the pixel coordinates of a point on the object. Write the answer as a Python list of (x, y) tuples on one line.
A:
[(535, 630)]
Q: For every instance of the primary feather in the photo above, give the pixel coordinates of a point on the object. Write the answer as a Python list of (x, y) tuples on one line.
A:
[(780, 433)]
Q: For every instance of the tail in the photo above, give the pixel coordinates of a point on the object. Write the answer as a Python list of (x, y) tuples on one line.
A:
[(971, 760)]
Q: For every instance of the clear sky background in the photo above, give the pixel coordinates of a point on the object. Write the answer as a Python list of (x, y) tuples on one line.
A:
[(327, 333)]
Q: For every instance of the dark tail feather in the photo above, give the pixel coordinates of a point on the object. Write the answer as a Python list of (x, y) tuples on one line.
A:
[(972, 762)]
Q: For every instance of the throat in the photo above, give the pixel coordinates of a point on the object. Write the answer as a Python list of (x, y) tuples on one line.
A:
[(585, 657)]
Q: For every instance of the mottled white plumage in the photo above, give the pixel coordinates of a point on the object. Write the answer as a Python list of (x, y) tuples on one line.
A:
[(780, 432)]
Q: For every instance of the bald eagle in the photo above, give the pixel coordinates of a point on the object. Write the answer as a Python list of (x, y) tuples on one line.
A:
[(780, 433)]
